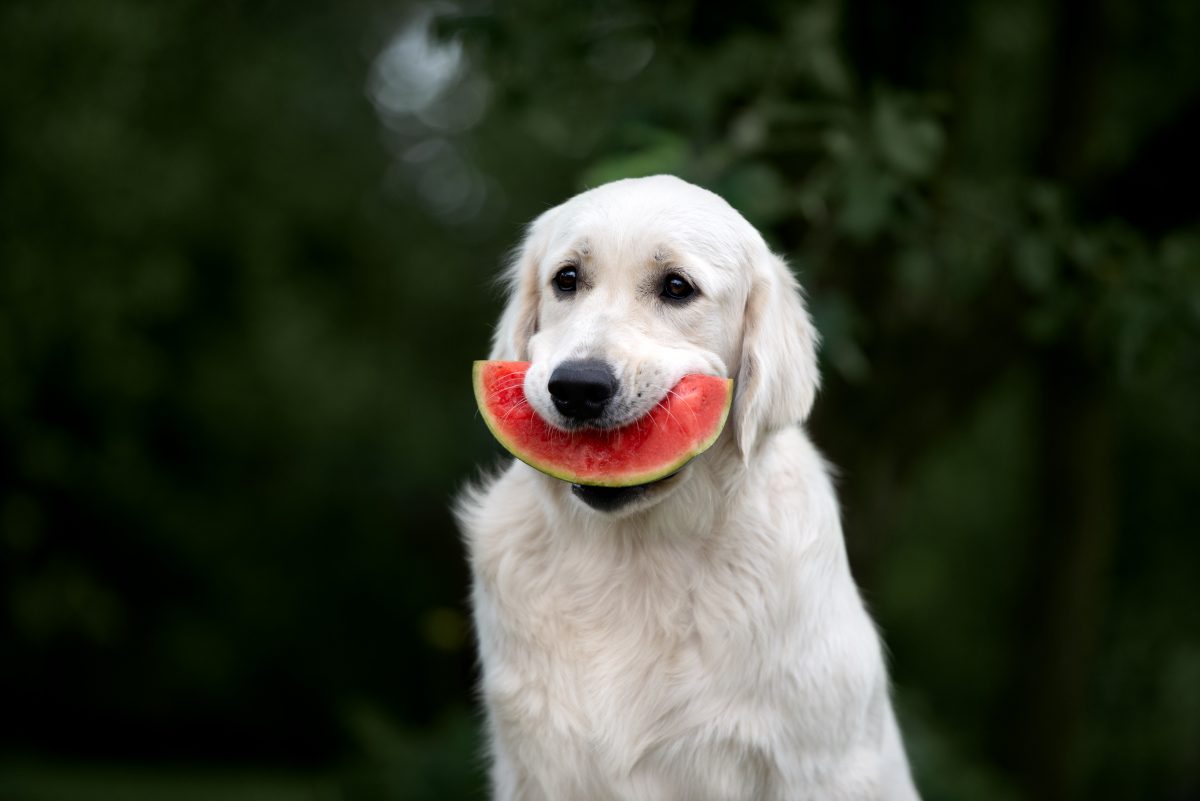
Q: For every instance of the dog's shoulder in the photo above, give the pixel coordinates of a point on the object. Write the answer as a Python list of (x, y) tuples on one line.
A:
[(498, 510), (791, 483)]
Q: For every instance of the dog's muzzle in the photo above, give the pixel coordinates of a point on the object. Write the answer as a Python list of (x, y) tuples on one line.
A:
[(581, 389)]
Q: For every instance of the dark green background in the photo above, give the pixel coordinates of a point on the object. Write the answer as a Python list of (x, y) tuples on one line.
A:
[(246, 253)]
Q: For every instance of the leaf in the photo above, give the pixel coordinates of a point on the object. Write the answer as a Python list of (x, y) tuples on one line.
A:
[(909, 142), (668, 153)]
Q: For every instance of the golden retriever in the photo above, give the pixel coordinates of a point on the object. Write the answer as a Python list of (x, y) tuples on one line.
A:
[(696, 638)]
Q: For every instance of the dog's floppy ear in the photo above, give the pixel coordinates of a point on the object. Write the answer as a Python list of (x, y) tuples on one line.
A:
[(519, 320), (777, 378)]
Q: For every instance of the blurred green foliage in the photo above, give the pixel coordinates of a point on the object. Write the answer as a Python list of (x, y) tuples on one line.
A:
[(245, 260)]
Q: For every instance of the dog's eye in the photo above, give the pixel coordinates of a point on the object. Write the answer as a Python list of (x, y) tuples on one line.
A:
[(676, 287), (566, 279)]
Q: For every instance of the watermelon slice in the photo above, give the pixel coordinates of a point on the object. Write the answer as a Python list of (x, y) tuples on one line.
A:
[(683, 425)]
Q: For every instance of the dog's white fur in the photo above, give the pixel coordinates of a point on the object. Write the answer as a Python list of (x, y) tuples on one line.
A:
[(709, 641)]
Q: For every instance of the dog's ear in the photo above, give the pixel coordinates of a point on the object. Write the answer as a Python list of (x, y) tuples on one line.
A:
[(777, 378), (519, 320)]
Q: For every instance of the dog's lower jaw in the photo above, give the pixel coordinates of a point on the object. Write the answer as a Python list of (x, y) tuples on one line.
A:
[(613, 499), (607, 499)]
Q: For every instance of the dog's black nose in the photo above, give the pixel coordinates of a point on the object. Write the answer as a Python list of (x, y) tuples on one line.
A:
[(582, 388)]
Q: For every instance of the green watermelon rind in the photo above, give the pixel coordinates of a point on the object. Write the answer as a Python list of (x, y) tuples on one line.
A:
[(557, 471)]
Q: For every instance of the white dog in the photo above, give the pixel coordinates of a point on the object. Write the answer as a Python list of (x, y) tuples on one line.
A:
[(699, 637)]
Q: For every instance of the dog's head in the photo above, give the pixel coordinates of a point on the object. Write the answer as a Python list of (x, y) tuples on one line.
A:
[(621, 291)]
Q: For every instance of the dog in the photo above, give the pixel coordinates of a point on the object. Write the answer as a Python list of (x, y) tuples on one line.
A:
[(700, 637)]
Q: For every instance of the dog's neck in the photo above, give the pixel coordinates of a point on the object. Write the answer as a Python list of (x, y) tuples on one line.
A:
[(690, 512)]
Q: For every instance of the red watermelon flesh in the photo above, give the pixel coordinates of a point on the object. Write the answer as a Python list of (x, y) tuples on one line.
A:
[(682, 426)]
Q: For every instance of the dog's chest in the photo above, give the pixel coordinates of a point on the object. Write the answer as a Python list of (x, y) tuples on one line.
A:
[(619, 660)]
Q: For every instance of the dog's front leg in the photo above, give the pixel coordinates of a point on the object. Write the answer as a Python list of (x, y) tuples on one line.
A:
[(852, 776), (510, 783)]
